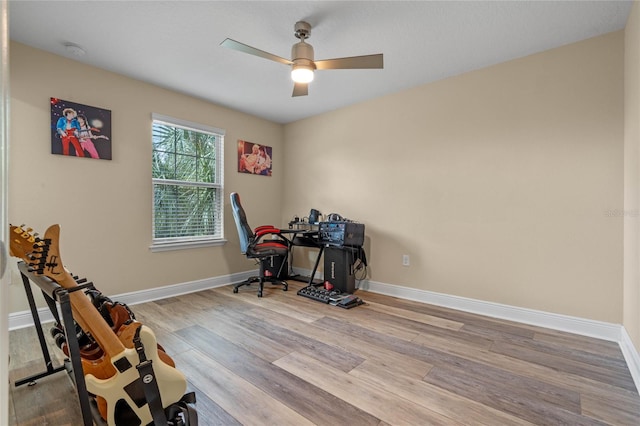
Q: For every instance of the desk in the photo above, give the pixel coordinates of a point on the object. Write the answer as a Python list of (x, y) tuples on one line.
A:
[(303, 238)]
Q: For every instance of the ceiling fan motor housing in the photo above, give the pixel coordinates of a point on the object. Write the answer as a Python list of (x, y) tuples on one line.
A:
[(302, 30), (302, 54)]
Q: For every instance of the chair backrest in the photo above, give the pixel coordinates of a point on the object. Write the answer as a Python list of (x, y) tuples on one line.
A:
[(244, 230)]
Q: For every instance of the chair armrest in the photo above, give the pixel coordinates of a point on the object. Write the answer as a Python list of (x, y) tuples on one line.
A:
[(263, 227), (266, 230)]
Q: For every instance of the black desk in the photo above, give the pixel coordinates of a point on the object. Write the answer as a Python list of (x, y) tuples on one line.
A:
[(303, 238)]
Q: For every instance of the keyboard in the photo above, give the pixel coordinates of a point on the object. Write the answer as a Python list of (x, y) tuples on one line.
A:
[(319, 294)]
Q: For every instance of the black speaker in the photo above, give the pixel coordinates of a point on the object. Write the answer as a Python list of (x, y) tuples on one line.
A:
[(276, 266), (314, 216), (338, 268)]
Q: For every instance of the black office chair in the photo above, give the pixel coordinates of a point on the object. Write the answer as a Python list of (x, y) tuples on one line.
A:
[(254, 246)]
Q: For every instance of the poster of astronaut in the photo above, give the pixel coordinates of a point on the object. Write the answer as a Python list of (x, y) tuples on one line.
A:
[(80, 130), (254, 158)]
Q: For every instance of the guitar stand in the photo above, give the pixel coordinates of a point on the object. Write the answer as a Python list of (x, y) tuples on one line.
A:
[(180, 413), (52, 292)]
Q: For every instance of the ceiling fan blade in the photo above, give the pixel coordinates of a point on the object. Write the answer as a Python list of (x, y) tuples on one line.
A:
[(241, 47), (352, 62), (300, 89)]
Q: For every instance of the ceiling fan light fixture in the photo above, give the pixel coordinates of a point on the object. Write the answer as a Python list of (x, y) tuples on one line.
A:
[(302, 73), (302, 61)]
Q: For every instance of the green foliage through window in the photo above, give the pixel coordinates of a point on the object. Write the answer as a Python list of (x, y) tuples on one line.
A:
[(187, 188)]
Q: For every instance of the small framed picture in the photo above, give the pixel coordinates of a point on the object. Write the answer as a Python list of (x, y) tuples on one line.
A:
[(79, 130), (254, 158)]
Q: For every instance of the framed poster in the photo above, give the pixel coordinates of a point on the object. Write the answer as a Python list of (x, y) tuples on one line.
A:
[(254, 159), (79, 130)]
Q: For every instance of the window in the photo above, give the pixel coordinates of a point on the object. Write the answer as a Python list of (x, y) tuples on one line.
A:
[(187, 184)]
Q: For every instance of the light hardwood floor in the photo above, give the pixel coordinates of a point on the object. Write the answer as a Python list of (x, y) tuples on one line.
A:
[(287, 360)]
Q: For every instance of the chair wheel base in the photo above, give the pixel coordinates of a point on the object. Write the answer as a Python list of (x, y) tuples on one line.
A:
[(249, 281)]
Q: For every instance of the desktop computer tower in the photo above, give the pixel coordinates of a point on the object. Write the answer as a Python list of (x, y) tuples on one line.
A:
[(338, 268), (276, 266)]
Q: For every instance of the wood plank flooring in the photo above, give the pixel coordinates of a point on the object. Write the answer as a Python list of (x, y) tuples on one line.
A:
[(287, 360)]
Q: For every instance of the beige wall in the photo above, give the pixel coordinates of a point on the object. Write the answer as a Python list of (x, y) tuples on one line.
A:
[(104, 207), (631, 318), (503, 184)]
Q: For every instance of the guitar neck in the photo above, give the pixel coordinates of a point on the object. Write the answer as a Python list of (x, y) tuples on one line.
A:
[(84, 312), (90, 319)]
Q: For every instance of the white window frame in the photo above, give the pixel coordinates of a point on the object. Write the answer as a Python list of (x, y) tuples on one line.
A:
[(178, 243)]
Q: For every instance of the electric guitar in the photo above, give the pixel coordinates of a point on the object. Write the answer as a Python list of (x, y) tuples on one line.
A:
[(113, 377)]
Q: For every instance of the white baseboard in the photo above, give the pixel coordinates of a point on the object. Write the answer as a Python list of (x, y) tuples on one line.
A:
[(580, 326), (584, 327), (24, 318), (182, 288), (631, 356)]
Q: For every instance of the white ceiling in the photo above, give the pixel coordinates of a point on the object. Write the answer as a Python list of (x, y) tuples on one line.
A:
[(176, 44)]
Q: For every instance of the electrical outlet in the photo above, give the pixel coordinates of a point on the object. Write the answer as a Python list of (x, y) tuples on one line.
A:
[(405, 260)]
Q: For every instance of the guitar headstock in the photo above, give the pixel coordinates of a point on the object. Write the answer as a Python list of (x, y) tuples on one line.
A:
[(22, 242), (40, 254)]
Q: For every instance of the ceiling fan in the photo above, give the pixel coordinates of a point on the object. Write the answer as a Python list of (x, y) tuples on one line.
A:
[(302, 63)]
